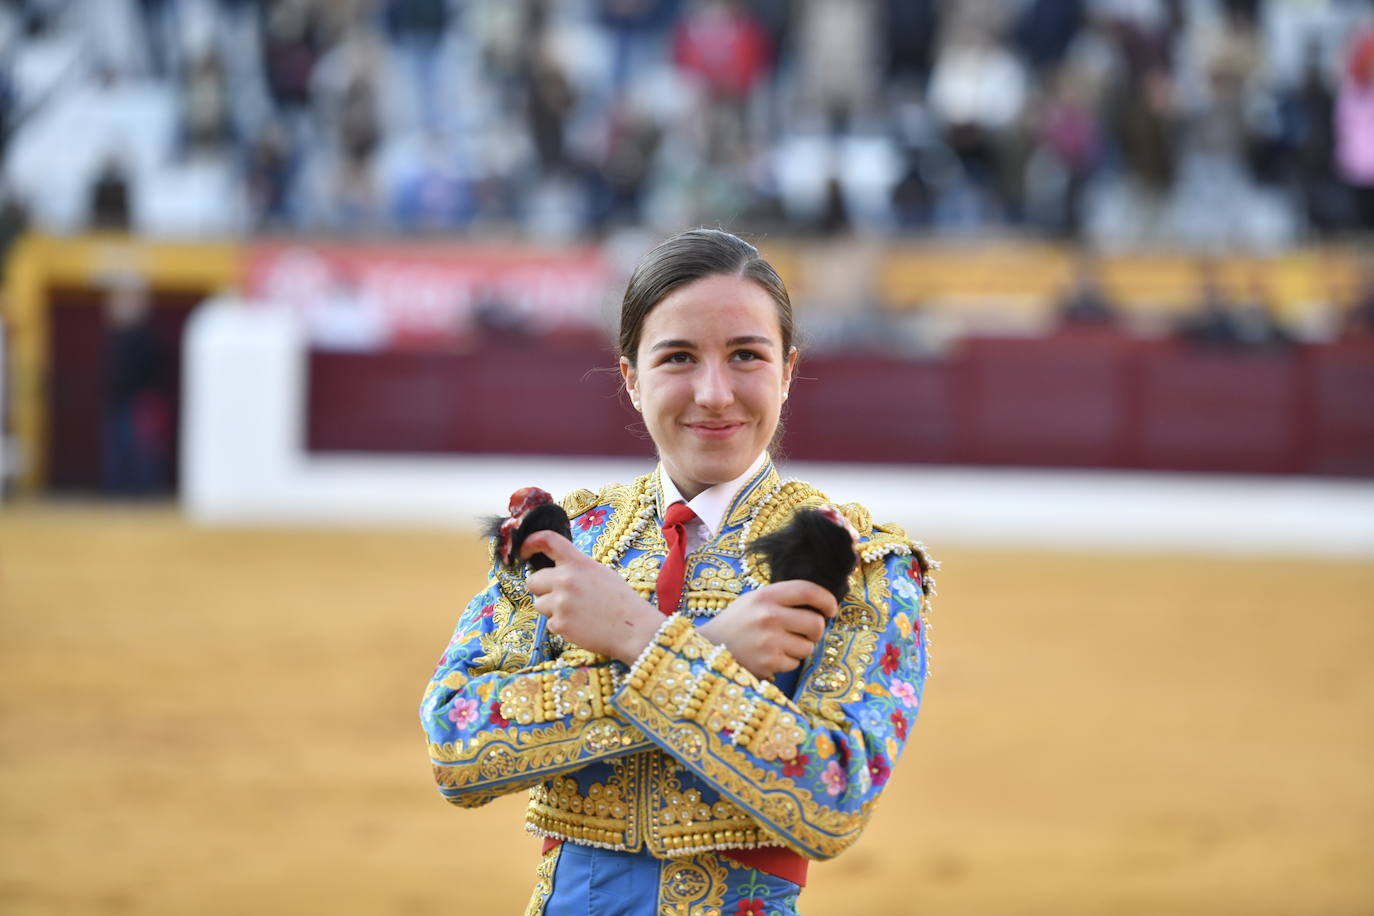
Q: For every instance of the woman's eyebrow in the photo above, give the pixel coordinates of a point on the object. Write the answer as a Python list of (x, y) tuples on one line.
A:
[(743, 341), (673, 345)]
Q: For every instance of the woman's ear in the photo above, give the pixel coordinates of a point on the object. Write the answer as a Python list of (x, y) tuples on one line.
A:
[(789, 371), (630, 375)]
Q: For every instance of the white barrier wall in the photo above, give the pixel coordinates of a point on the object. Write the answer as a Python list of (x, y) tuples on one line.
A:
[(243, 458), (244, 462)]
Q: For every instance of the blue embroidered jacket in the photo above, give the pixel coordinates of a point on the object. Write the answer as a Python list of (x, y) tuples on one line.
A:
[(686, 751)]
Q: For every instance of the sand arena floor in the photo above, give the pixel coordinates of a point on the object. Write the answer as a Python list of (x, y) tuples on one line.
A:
[(224, 721)]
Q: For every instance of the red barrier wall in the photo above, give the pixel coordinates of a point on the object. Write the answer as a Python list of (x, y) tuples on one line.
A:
[(1070, 401)]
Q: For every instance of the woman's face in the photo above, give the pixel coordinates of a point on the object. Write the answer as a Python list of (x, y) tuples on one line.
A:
[(710, 379)]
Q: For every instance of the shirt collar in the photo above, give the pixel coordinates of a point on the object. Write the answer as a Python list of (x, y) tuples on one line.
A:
[(710, 504)]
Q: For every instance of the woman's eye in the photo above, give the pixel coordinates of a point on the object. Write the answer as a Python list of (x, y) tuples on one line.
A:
[(747, 355), (679, 357)]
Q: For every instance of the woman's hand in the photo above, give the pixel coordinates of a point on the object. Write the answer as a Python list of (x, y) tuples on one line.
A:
[(773, 628), (587, 603)]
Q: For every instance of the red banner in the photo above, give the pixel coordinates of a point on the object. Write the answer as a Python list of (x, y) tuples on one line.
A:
[(367, 297)]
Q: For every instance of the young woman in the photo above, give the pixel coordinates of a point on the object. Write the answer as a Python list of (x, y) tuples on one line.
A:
[(690, 733)]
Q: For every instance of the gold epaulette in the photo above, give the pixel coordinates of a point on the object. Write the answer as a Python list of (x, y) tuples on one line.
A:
[(578, 501)]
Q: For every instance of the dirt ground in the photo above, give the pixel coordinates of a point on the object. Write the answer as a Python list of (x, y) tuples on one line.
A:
[(224, 721)]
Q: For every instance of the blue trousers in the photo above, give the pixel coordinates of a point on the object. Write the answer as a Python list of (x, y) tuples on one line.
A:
[(576, 880)]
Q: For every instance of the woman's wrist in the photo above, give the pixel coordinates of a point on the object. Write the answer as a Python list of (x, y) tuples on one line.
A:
[(641, 625)]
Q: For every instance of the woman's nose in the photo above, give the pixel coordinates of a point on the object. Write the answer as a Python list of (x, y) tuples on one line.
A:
[(713, 388)]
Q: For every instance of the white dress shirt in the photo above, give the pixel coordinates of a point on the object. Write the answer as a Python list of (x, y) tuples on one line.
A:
[(709, 505)]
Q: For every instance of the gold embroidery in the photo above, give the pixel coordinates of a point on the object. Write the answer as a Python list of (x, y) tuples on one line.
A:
[(511, 642), (603, 817), (713, 583), (678, 822), (577, 502), (821, 831), (642, 574), (502, 756), (543, 882), (555, 691), (693, 887), (626, 504), (682, 823)]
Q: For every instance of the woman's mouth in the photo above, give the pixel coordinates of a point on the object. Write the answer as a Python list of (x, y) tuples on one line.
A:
[(715, 429)]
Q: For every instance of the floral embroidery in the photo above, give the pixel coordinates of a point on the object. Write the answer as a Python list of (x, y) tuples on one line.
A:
[(824, 746), (496, 718), (487, 611), (904, 692), (906, 589), (892, 658), (903, 623), (591, 519), (834, 778), (796, 767), (463, 712), (752, 907), (879, 770), (900, 723)]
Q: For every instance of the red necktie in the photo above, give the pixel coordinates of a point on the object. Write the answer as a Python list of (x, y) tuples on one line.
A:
[(675, 563)]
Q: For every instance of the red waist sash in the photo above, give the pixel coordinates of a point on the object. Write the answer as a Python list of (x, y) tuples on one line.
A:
[(778, 861)]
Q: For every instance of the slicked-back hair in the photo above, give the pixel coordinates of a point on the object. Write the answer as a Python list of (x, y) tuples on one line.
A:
[(690, 256)]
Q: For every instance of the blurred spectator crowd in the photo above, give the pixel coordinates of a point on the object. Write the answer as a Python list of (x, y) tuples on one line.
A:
[(1217, 124)]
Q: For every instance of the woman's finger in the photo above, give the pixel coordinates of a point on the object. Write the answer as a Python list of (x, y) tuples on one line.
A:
[(539, 583), (801, 593), (805, 623), (551, 544)]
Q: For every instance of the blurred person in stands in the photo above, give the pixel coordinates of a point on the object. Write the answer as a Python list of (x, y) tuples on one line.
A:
[(637, 29), (838, 59), (977, 93), (342, 186), (1087, 303), (269, 171), (633, 138), (1355, 127), (1223, 322), (292, 42), (1068, 146), (1257, 318), (549, 102), (205, 104), (1307, 135), (1359, 318), (1213, 321), (720, 47), (109, 197), (137, 424), (688, 731), (417, 29)]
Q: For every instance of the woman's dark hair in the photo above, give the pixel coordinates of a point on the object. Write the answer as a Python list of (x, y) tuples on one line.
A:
[(690, 256)]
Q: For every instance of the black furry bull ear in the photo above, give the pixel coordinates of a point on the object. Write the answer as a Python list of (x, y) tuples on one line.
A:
[(548, 517), (531, 509), (818, 545)]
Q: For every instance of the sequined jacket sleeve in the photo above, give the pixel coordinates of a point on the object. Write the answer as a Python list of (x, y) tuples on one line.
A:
[(809, 768), (502, 713)]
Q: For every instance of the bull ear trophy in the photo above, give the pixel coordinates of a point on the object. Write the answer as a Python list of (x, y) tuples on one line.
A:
[(818, 545), (531, 509)]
